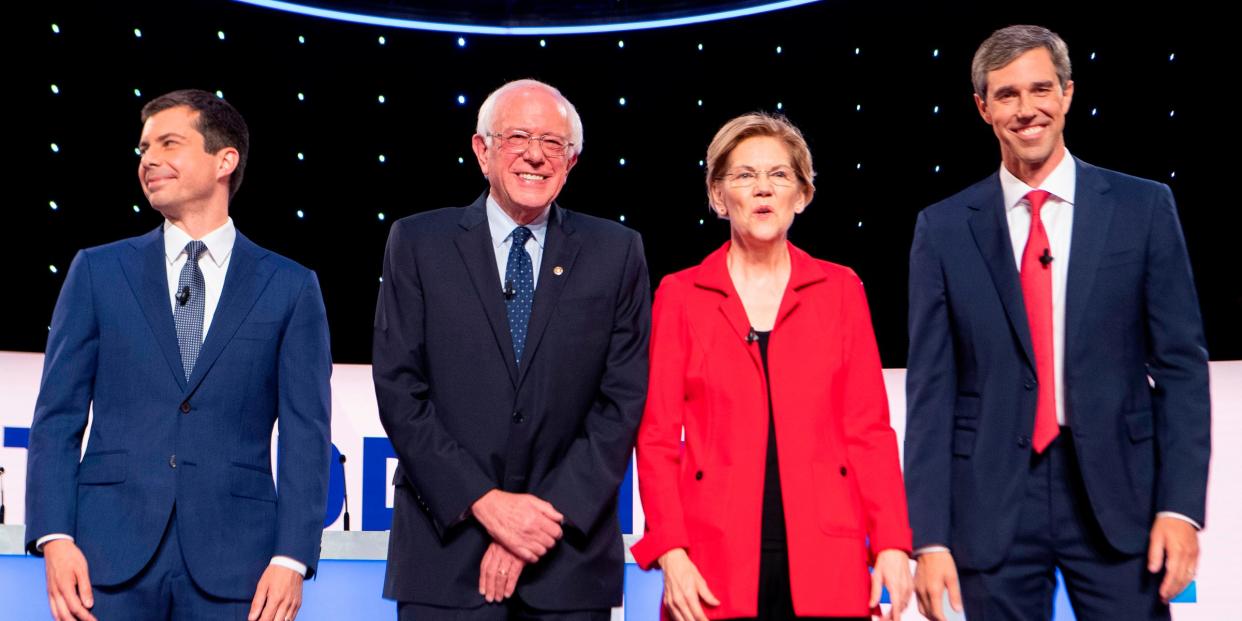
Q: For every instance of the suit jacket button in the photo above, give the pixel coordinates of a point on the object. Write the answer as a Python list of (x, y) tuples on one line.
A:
[(518, 418), (1023, 442), (172, 461), (185, 407), (698, 476), (843, 470)]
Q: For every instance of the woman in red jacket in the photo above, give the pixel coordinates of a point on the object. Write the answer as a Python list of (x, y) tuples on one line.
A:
[(787, 484)]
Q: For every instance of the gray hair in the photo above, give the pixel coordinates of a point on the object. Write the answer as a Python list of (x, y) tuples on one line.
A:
[(487, 112), (1007, 44)]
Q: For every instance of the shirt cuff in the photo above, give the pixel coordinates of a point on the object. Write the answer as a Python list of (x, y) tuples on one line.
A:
[(52, 537), (288, 563), (1178, 516), (926, 549)]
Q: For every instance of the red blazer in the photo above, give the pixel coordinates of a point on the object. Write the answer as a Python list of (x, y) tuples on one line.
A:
[(840, 475)]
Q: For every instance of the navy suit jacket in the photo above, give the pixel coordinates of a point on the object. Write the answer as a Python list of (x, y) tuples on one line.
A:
[(157, 440), (1130, 313), (464, 418)]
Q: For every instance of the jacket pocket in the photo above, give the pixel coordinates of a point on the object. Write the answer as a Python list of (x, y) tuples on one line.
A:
[(837, 503), (103, 468), (246, 481)]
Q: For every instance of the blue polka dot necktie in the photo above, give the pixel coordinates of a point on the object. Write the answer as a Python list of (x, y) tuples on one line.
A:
[(191, 303), (519, 290)]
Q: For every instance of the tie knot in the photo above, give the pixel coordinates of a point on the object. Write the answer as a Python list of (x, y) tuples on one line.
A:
[(1036, 199), (195, 249), (520, 235)]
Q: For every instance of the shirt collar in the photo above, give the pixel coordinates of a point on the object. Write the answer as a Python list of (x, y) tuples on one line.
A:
[(219, 242), (501, 225), (1060, 183)]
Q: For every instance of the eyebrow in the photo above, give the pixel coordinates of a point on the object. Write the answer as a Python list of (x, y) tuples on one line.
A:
[(1010, 90), (162, 138)]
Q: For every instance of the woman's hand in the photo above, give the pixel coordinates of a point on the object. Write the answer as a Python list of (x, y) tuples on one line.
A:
[(892, 570), (684, 587)]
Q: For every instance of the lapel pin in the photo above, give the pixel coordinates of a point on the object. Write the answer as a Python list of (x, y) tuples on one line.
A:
[(558, 270)]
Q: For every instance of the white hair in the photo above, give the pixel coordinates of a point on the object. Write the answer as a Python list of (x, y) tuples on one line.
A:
[(487, 112)]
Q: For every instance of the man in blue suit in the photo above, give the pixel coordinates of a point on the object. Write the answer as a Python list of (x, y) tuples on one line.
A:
[(188, 343), (1057, 392), (510, 362)]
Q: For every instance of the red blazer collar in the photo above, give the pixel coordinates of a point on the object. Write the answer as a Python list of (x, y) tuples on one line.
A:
[(713, 274)]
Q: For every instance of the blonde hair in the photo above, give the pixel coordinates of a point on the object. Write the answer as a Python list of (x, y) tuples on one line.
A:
[(753, 125)]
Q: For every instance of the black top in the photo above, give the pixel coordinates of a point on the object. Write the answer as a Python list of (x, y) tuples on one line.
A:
[(773, 528)]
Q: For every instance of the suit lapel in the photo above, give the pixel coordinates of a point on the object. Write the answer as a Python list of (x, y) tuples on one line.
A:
[(559, 250), (146, 271), (1093, 212), (246, 278), (991, 233), (713, 274), (478, 254)]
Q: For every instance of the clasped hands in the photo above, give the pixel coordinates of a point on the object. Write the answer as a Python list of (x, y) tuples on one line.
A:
[(523, 528)]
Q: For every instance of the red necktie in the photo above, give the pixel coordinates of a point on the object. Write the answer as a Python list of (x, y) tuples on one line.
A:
[(1037, 293)]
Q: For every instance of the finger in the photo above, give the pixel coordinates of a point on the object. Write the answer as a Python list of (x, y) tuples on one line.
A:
[(511, 581), (59, 611), (696, 609), (499, 577), (547, 509), (85, 592), (707, 594), (955, 593), (876, 586), (672, 609), (488, 560), (935, 605), (1155, 552), (256, 604), (269, 607)]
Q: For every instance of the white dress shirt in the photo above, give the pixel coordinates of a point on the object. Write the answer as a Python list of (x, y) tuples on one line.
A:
[(214, 263), (502, 226), (1057, 215)]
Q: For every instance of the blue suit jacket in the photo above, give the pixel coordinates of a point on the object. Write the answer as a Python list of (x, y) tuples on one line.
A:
[(1131, 312), (464, 418), (113, 346)]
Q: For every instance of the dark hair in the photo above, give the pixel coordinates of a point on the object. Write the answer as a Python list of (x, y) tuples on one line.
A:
[(1007, 44), (218, 121)]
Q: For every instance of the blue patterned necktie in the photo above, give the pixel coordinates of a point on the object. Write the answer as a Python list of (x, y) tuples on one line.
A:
[(191, 303), (519, 290)]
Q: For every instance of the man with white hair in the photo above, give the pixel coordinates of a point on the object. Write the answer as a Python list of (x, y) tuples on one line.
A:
[(510, 364)]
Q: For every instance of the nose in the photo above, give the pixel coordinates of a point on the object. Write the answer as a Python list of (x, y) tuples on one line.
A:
[(763, 185), (1026, 105), (534, 152)]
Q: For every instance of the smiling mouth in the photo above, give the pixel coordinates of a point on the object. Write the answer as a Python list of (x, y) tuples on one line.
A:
[(1032, 131), (532, 176)]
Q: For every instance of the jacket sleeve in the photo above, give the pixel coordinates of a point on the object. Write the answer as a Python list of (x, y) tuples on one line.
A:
[(870, 442), (931, 387), (1178, 364), (583, 486), (65, 394), (304, 422), (446, 477), (660, 435)]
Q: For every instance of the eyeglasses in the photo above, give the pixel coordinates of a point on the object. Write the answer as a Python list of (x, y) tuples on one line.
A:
[(781, 176), (519, 141)]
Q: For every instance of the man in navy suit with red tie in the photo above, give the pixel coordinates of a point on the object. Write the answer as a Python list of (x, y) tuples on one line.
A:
[(1057, 392)]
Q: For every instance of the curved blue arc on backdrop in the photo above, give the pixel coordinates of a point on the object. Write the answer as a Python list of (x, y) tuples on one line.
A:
[(585, 28)]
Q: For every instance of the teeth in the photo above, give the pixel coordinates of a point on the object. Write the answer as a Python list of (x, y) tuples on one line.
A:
[(1030, 130), (531, 177)]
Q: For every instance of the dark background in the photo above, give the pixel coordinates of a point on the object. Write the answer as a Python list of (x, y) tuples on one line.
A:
[(1151, 102)]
